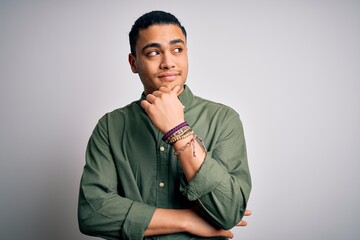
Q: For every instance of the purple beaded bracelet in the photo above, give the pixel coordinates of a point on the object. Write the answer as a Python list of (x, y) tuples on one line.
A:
[(171, 131)]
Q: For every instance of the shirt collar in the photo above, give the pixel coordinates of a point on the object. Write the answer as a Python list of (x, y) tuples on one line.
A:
[(186, 97)]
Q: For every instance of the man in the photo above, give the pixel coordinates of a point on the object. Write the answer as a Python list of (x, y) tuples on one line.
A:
[(170, 165)]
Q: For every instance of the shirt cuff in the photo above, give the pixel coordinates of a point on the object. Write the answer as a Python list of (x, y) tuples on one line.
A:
[(137, 221), (206, 179)]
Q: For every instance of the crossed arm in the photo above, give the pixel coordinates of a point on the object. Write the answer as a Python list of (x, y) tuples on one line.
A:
[(167, 221)]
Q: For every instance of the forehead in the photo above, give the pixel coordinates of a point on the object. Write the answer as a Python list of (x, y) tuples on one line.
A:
[(161, 34)]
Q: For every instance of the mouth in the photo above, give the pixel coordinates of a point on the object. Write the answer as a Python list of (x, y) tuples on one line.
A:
[(168, 76)]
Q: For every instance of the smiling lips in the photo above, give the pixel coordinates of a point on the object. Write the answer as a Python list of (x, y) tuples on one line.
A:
[(168, 76)]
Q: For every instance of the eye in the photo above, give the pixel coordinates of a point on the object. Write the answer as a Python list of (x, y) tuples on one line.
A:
[(178, 50), (152, 54)]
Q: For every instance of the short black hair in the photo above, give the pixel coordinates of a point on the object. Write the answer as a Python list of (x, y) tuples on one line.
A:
[(149, 19)]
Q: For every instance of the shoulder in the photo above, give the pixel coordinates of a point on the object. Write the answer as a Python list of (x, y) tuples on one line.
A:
[(122, 114)]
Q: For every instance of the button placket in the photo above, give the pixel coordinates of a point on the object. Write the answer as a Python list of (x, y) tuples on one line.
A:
[(162, 184), (163, 174)]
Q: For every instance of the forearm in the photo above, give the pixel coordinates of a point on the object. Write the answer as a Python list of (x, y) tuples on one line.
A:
[(222, 184), (169, 221), (190, 155), (221, 196), (166, 221), (101, 209), (111, 216)]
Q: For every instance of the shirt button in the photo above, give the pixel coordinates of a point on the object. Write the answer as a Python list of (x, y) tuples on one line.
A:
[(161, 184), (162, 148)]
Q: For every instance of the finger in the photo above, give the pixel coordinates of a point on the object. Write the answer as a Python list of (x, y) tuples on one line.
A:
[(242, 223), (150, 98), (145, 105), (231, 235), (247, 213), (165, 89), (157, 93), (227, 233), (161, 91), (176, 89)]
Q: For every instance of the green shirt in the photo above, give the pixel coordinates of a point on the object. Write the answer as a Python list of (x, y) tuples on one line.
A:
[(130, 171)]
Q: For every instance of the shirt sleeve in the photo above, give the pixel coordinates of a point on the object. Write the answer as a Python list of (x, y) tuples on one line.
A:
[(222, 186), (101, 210)]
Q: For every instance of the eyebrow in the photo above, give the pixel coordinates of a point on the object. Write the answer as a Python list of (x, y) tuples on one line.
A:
[(158, 45), (175, 41)]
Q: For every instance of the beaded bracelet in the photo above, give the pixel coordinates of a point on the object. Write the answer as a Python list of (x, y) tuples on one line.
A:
[(173, 130), (177, 134), (174, 139), (192, 142), (185, 146)]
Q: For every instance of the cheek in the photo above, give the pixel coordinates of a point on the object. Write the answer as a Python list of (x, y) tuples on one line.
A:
[(183, 61), (184, 65), (147, 73), (149, 68)]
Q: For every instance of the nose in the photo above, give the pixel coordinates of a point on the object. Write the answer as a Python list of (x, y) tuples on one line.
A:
[(167, 61)]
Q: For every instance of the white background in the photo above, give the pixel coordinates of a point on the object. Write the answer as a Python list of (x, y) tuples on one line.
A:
[(290, 68)]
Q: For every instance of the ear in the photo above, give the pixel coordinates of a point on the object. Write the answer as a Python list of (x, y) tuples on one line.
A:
[(132, 62)]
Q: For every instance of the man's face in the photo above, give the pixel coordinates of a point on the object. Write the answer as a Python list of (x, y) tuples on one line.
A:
[(161, 57)]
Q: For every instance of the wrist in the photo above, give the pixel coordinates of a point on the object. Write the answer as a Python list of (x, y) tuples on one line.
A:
[(183, 144), (185, 220), (176, 133)]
